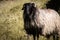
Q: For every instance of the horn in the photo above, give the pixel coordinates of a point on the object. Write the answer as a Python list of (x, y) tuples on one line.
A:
[(34, 4)]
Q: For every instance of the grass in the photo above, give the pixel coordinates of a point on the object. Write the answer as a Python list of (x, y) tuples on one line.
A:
[(11, 19)]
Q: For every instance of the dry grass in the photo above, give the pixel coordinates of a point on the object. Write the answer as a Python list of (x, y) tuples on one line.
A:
[(11, 19)]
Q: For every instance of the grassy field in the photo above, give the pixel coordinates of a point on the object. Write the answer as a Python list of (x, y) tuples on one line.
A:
[(11, 19)]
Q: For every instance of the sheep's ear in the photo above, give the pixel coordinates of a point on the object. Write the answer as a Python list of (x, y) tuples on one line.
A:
[(23, 7)]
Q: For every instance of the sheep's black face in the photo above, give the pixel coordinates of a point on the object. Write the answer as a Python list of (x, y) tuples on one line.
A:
[(27, 7)]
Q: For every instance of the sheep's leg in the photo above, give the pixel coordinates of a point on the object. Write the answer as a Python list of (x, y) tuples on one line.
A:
[(34, 37), (37, 36), (48, 37), (55, 37)]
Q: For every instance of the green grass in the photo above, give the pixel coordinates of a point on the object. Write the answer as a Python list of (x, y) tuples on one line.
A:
[(11, 19)]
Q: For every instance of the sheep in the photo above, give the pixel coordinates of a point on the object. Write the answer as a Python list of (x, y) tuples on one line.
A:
[(45, 22)]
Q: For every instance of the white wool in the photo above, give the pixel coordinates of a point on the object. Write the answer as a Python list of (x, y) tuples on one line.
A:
[(49, 19)]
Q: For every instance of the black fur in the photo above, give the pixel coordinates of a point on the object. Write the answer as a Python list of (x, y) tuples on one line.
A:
[(29, 12)]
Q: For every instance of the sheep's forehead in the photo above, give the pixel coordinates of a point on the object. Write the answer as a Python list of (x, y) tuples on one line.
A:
[(27, 4)]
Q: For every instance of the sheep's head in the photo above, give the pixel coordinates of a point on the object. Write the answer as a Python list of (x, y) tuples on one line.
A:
[(28, 7)]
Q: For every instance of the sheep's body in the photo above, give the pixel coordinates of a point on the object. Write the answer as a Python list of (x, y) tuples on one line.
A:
[(49, 19), (40, 21)]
